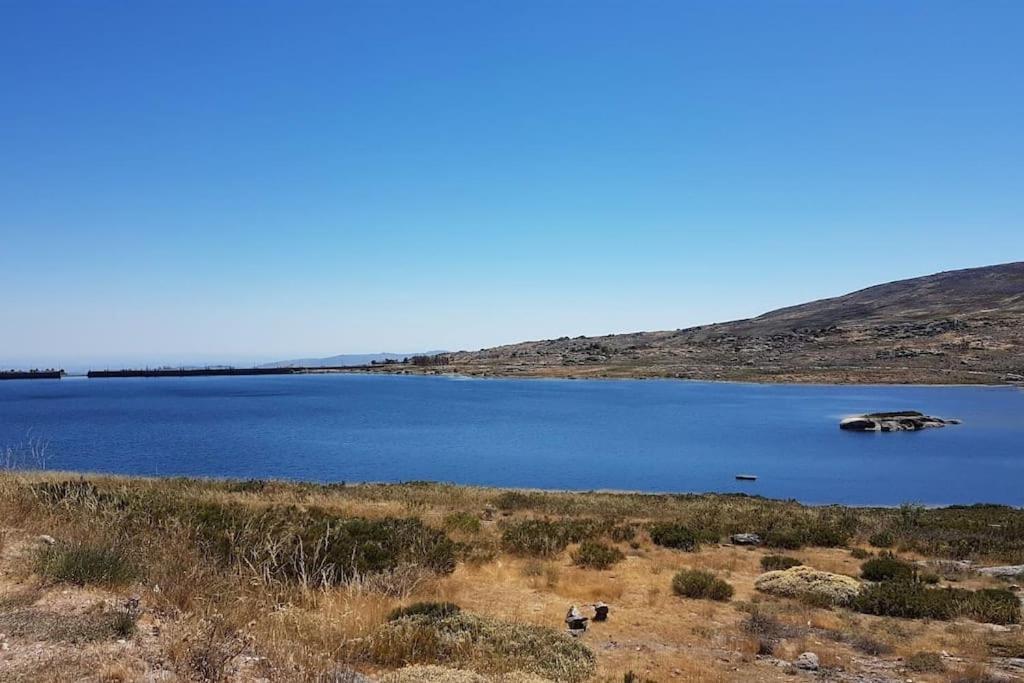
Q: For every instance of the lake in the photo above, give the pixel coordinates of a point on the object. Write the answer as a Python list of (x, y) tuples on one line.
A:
[(655, 435)]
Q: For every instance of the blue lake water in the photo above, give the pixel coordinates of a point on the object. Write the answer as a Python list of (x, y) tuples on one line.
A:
[(634, 435)]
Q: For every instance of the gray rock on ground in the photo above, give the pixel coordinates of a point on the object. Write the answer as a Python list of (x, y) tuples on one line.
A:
[(808, 661), (745, 539)]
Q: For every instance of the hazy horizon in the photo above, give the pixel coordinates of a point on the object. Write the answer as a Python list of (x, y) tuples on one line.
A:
[(223, 183)]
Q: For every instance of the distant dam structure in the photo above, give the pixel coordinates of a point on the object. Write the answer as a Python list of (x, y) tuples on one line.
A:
[(31, 374)]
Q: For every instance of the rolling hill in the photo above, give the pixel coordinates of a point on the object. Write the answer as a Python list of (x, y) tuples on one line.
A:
[(963, 326)]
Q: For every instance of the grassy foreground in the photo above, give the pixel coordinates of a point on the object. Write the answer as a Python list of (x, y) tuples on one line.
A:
[(125, 579)]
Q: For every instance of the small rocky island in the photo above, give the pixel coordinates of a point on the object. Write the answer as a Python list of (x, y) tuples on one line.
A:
[(901, 421)]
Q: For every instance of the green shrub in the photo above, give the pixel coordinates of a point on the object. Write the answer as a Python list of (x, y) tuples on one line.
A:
[(912, 600), (925, 662), (431, 610), (82, 563), (673, 535), (882, 539), (859, 553), (823, 533), (695, 583), (622, 533), (771, 563), (545, 538), (887, 569), (993, 606), (594, 555), (316, 546), (931, 578), (462, 521)]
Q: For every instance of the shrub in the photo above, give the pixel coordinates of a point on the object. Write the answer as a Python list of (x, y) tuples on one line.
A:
[(431, 610), (695, 583), (313, 546), (546, 538), (912, 600), (82, 563), (859, 553), (594, 555), (622, 533), (931, 578), (673, 535), (462, 521), (535, 537), (766, 627), (887, 569), (776, 562), (882, 539), (870, 646), (805, 583), (925, 662), (993, 606), (827, 532), (479, 643)]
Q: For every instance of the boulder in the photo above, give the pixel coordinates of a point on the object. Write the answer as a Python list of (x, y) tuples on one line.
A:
[(903, 421), (801, 581), (808, 661), (745, 539), (1008, 571)]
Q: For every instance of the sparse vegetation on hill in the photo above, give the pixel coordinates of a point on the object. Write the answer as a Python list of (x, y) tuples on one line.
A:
[(963, 326)]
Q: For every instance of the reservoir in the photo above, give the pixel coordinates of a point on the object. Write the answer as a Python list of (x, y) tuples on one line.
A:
[(654, 435)]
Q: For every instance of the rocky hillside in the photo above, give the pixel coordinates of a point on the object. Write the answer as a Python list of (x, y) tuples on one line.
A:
[(964, 326)]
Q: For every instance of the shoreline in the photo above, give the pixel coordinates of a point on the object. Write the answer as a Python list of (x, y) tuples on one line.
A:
[(82, 475)]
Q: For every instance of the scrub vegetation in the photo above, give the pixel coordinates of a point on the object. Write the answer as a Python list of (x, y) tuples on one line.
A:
[(226, 580)]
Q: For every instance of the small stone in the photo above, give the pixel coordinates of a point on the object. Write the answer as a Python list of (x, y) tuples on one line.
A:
[(808, 661), (47, 539)]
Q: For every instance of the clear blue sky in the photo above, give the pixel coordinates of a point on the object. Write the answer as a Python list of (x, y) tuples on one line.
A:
[(261, 180)]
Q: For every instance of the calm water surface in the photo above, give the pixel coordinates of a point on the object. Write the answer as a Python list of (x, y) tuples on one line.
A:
[(637, 435)]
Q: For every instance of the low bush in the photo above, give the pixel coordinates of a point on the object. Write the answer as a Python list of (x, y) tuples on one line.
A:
[(913, 600), (882, 539), (810, 585), (821, 532), (859, 553), (462, 521), (673, 535), (925, 662), (476, 642), (594, 555), (84, 563), (431, 610), (870, 646), (546, 538), (315, 547), (775, 562), (699, 584), (887, 569), (622, 533)]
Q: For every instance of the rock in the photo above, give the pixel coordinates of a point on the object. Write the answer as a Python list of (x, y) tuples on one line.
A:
[(902, 421), (808, 661), (806, 581), (1006, 571), (745, 539), (47, 539)]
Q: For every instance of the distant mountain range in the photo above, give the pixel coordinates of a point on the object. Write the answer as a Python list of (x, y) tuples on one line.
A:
[(963, 326), (346, 359)]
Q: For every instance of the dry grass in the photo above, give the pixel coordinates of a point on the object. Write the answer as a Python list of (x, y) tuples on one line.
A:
[(203, 618)]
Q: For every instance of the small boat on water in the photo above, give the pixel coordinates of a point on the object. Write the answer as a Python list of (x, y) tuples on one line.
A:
[(746, 477)]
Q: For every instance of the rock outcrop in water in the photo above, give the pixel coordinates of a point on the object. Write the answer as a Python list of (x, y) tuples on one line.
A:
[(902, 421)]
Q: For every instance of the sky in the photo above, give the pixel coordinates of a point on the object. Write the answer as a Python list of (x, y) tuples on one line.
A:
[(244, 181)]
